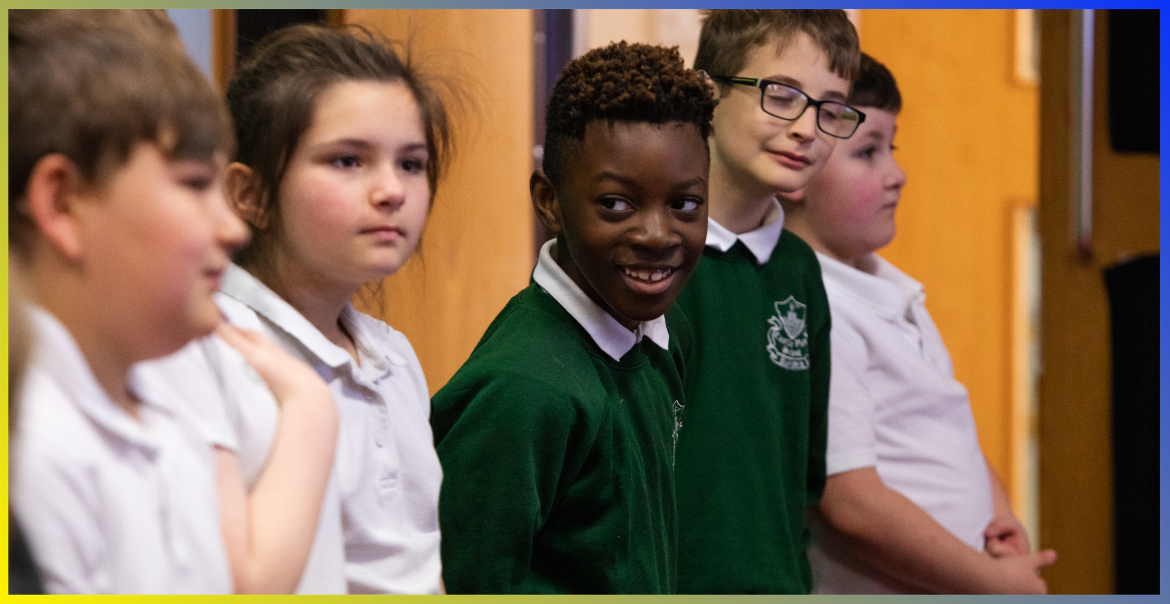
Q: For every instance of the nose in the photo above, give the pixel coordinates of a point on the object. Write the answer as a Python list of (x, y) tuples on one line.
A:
[(655, 230), (231, 231), (387, 188), (804, 127), (896, 178)]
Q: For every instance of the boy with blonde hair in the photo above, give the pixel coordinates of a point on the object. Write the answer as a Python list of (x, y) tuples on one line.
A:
[(751, 450)]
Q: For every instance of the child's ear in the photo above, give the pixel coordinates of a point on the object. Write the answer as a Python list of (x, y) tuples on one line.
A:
[(243, 194), (51, 197), (544, 201)]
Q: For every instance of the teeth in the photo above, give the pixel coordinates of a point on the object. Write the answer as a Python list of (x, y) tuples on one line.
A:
[(651, 276)]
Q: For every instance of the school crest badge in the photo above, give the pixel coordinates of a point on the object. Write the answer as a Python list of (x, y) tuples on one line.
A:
[(788, 335)]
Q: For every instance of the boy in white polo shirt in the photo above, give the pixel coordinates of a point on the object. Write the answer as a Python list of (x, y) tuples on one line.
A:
[(910, 504), (117, 151)]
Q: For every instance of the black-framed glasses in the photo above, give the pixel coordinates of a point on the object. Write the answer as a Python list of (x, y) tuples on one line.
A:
[(787, 103)]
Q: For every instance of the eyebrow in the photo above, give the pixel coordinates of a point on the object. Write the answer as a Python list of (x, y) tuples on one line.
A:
[(832, 95), (357, 143)]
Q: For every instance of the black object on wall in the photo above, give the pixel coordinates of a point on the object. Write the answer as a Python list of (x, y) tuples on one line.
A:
[(1133, 80), (254, 24), (1133, 308), (552, 50)]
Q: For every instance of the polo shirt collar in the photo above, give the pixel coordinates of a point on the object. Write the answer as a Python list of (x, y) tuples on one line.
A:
[(878, 283), (609, 335), (760, 242), (56, 352), (240, 285)]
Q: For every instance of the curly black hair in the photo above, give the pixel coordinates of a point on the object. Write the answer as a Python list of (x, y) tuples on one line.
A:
[(623, 82)]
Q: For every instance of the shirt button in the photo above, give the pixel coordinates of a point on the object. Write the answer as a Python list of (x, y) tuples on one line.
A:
[(369, 395), (380, 440)]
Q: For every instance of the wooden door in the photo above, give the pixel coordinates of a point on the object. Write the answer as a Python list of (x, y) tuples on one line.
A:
[(476, 252), (967, 139), (1076, 478)]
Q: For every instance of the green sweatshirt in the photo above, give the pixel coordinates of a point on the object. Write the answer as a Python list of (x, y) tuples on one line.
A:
[(751, 452), (557, 459)]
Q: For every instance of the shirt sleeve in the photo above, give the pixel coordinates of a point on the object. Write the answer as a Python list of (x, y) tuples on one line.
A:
[(508, 444), (51, 500), (851, 403)]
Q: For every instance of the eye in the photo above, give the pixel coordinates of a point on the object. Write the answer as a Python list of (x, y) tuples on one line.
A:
[(782, 96), (198, 183), (194, 175), (345, 161), (413, 165), (867, 152), (833, 111), (615, 204), (686, 204)]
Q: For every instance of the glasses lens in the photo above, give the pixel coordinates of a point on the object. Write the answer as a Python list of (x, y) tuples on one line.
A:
[(783, 101), (838, 120)]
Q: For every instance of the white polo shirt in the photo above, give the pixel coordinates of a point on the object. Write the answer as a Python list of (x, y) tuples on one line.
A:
[(387, 471), (238, 412), (112, 504), (894, 404)]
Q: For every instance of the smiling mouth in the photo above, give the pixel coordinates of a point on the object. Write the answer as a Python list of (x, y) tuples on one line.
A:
[(791, 158), (649, 281), (649, 276)]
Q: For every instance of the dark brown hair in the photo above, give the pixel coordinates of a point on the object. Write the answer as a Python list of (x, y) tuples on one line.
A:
[(90, 85), (875, 87), (274, 94), (623, 82), (728, 36)]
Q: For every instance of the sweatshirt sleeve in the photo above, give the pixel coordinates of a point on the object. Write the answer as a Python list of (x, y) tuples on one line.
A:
[(509, 444)]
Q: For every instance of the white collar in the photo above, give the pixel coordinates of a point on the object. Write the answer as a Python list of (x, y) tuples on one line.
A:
[(242, 286), (880, 284), (760, 242), (609, 335), (55, 352)]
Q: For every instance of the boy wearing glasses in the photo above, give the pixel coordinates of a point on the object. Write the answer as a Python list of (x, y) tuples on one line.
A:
[(751, 450)]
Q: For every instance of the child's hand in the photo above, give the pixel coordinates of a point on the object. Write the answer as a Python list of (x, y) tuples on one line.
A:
[(1005, 536), (1019, 574), (287, 377)]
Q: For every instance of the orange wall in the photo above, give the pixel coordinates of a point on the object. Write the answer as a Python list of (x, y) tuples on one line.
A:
[(967, 138), (477, 249)]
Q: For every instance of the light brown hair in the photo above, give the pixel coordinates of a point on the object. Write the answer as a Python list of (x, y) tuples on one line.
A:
[(728, 36), (90, 85), (274, 94)]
